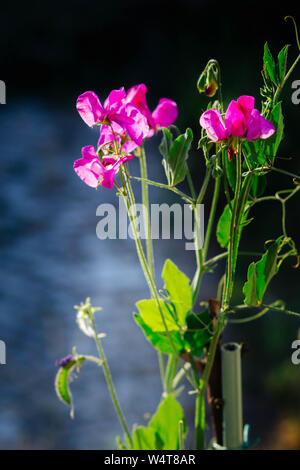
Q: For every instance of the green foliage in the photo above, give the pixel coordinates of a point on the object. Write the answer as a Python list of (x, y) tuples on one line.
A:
[(62, 380), (231, 172), (258, 185), (282, 62), (198, 334), (223, 227), (175, 154), (162, 432), (188, 332), (159, 339), (260, 275), (152, 315), (269, 65), (177, 284), (271, 145)]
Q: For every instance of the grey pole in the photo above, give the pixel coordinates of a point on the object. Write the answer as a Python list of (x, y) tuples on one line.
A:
[(232, 395)]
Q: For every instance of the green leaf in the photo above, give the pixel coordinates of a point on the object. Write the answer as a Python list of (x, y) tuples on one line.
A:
[(198, 333), (160, 339), (269, 65), (282, 62), (166, 142), (175, 155), (151, 315), (162, 432), (231, 172), (271, 145), (177, 284), (260, 275), (223, 227), (120, 443), (165, 422), (144, 438), (62, 380), (258, 185)]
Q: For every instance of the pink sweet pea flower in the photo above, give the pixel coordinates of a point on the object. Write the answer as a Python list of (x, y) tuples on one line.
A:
[(92, 112), (242, 120), (93, 172), (122, 116), (164, 114), (211, 120)]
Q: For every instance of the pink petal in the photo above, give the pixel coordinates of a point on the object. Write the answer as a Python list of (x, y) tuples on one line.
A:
[(111, 168), (89, 168), (165, 113), (259, 127), (267, 128), (211, 120), (139, 129), (106, 135), (254, 126), (137, 95), (235, 120), (247, 105), (89, 107), (115, 99)]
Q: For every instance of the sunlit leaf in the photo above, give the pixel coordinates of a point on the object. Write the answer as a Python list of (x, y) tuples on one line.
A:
[(160, 339), (177, 284), (269, 65), (260, 275)]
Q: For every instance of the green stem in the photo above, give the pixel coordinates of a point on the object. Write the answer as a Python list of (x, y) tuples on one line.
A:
[(231, 247), (145, 199), (130, 202), (200, 420), (211, 216), (221, 256), (199, 252), (284, 172), (279, 89), (149, 245), (110, 384), (165, 186)]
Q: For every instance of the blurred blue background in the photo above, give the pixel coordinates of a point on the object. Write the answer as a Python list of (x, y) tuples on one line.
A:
[(50, 256)]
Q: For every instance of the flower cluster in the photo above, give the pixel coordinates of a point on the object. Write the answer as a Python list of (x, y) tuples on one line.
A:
[(242, 120), (125, 121)]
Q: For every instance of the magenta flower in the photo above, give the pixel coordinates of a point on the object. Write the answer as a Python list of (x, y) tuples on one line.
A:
[(242, 120), (211, 120), (122, 117), (164, 114), (93, 172), (92, 112)]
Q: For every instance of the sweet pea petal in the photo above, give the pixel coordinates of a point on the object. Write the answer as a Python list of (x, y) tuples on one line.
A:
[(165, 113), (137, 95), (111, 167), (254, 126), (106, 136), (267, 128), (246, 104), (88, 152), (140, 128), (235, 120), (89, 168), (259, 127), (89, 107), (115, 99), (211, 120)]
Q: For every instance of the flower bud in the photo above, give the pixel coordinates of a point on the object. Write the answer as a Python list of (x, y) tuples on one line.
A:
[(208, 82)]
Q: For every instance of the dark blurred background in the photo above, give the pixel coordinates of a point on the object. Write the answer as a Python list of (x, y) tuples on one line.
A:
[(50, 257)]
